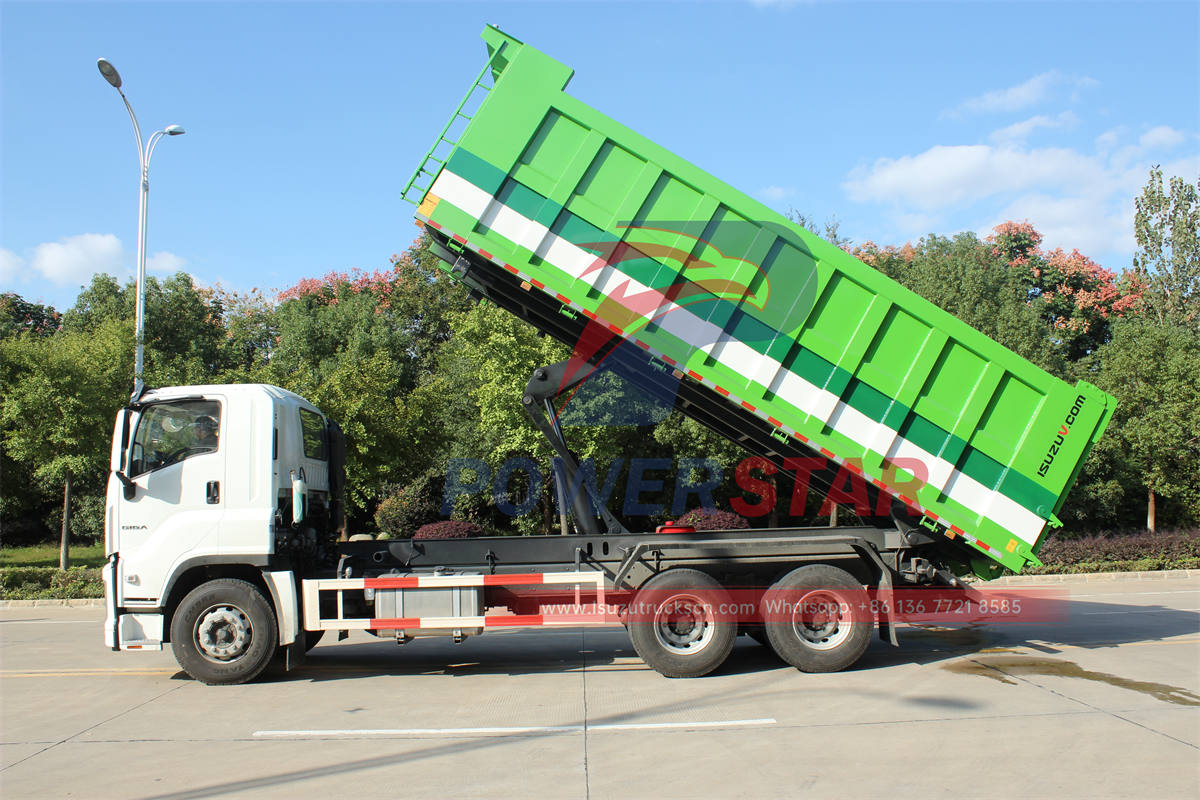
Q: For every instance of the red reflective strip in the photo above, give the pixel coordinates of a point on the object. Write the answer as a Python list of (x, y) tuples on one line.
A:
[(514, 620), (694, 375), (512, 580), (879, 483), (907, 501), (641, 344), (435, 224), (615, 329), (538, 284), (828, 454), (931, 515), (853, 468), (588, 314), (485, 253), (458, 238), (721, 390), (386, 623), (563, 298), (408, 582), (511, 268), (747, 406), (774, 422), (800, 436), (670, 360)]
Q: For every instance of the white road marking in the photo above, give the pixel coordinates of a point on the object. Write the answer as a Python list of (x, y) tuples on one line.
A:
[(731, 723)]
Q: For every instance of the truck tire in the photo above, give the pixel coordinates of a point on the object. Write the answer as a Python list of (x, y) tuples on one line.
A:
[(677, 625), (818, 618), (224, 632)]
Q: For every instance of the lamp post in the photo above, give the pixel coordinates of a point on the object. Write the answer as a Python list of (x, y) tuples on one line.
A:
[(114, 78)]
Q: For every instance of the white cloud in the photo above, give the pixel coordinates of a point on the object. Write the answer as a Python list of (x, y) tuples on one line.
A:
[(1092, 224), (776, 193), (946, 175), (1076, 199), (1162, 137), (1018, 132), (1037, 89), (165, 262), (10, 266), (75, 259)]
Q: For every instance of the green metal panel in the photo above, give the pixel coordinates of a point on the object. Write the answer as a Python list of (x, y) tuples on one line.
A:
[(710, 281)]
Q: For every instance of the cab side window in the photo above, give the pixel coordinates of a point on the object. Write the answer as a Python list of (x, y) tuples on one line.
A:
[(168, 433), (315, 439)]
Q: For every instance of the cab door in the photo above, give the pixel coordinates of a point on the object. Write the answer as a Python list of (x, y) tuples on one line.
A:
[(177, 466)]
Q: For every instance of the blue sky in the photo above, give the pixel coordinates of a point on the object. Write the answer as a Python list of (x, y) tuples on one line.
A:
[(305, 120)]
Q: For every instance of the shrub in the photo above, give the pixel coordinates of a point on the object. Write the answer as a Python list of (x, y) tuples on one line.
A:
[(448, 529), (414, 505), (1120, 552), (710, 519), (36, 583)]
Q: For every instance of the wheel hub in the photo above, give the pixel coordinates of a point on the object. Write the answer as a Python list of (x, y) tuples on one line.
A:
[(817, 620), (682, 624), (223, 633)]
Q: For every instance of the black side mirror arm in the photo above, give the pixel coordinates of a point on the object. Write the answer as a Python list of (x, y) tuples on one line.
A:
[(130, 488)]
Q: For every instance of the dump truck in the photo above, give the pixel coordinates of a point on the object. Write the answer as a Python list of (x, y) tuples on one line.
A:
[(225, 529)]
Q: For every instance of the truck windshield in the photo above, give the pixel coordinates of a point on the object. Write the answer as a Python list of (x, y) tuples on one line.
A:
[(168, 433)]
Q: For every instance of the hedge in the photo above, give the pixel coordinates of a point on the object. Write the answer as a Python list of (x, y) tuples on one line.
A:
[(39, 583)]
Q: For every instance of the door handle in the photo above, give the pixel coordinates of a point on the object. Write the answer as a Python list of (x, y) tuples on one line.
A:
[(213, 492)]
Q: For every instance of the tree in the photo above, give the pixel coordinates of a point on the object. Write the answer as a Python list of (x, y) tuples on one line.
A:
[(61, 395), (1154, 371), (1152, 364), (18, 315), (1075, 295), (1167, 261)]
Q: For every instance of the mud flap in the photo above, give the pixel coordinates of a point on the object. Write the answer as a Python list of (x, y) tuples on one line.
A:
[(293, 655), (886, 600)]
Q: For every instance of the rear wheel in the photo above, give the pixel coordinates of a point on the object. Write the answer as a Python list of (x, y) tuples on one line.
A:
[(818, 618), (680, 623), (224, 632)]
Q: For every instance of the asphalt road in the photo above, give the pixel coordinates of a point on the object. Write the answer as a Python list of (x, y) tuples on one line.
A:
[(1102, 703)]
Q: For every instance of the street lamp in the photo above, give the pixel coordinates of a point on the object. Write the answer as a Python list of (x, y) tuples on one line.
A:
[(114, 78)]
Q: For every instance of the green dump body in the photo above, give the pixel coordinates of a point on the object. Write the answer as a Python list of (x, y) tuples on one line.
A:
[(733, 295)]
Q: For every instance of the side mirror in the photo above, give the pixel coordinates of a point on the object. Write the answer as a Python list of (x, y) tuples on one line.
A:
[(129, 487)]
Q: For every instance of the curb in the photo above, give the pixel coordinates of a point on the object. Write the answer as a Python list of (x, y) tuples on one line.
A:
[(78, 602), (1092, 577)]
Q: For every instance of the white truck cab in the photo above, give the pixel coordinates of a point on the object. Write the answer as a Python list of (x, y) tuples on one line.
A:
[(206, 482)]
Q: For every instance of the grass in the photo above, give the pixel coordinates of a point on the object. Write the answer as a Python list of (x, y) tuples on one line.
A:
[(46, 555)]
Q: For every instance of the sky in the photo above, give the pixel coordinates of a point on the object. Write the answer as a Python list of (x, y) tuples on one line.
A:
[(305, 120)]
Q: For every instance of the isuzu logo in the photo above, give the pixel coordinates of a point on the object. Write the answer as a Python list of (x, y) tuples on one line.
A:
[(135, 527), (1061, 437)]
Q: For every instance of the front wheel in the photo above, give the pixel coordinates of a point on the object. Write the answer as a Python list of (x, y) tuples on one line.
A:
[(224, 632), (818, 618), (680, 623)]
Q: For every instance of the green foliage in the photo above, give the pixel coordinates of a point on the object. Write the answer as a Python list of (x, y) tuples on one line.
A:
[(36, 583), (1167, 262), (18, 315), (1154, 371), (61, 396), (414, 505)]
